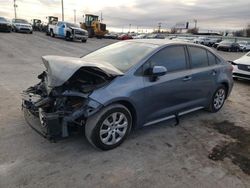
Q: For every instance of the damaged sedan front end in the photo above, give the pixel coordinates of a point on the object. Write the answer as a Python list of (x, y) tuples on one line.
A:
[(62, 97)]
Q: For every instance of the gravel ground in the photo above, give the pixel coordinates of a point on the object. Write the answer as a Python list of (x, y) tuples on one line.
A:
[(163, 155)]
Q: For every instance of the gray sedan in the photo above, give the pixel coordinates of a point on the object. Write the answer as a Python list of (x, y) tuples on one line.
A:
[(125, 85)]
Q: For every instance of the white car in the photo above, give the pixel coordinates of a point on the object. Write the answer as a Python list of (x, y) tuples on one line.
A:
[(242, 67), (67, 30), (244, 46)]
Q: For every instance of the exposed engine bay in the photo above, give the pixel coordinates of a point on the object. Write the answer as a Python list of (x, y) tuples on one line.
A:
[(65, 105)]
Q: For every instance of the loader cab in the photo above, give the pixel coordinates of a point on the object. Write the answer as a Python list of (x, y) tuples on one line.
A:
[(89, 18)]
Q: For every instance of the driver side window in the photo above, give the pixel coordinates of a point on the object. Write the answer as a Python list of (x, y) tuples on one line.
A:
[(173, 58)]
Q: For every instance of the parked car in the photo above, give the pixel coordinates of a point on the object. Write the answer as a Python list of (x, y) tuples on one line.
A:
[(129, 84), (244, 46), (110, 36), (124, 37), (242, 67), (21, 25), (140, 36), (228, 46), (206, 41), (5, 25), (156, 36), (69, 31)]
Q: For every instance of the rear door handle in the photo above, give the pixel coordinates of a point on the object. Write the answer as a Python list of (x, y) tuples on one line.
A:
[(187, 78)]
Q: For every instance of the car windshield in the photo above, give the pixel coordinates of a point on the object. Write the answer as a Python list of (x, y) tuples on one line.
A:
[(72, 25), (122, 55), (20, 21), (3, 19)]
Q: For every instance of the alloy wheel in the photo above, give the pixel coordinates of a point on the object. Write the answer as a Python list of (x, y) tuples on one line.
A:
[(219, 98), (113, 128)]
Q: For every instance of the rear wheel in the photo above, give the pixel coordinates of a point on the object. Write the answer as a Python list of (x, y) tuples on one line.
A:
[(218, 99), (109, 128), (84, 40)]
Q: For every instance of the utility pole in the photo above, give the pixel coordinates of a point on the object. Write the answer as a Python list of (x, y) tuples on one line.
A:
[(195, 23), (62, 11), (101, 18), (74, 15), (15, 6), (159, 27)]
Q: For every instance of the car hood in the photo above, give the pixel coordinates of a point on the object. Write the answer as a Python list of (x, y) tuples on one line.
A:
[(78, 28), (60, 68), (21, 24), (4, 22), (243, 60)]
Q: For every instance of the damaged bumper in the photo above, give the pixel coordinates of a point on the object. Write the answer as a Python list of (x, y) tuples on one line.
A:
[(55, 124)]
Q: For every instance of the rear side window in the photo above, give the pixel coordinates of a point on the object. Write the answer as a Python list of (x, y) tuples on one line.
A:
[(211, 58), (198, 57), (173, 58)]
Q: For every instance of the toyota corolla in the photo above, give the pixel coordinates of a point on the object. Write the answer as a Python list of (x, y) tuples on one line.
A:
[(124, 86)]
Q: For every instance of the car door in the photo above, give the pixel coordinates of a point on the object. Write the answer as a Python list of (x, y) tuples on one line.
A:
[(60, 29), (203, 75), (169, 93)]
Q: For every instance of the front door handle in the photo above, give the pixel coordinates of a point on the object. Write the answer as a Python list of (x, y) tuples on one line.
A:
[(187, 78), (214, 72)]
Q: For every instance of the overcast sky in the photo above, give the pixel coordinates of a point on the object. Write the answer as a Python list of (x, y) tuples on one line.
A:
[(211, 14)]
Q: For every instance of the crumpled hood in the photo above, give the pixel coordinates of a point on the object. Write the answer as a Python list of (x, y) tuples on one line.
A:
[(78, 28), (60, 68), (245, 60)]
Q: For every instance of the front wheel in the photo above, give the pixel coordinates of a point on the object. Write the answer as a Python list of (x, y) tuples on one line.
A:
[(109, 128), (218, 99), (84, 40)]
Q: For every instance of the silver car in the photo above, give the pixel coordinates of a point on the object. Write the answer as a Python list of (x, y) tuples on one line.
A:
[(21, 25), (123, 86)]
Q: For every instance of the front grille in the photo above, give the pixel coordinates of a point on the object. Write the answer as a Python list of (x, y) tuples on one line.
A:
[(3, 26), (77, 32), (244, 67), (103, 27), (242, 75), (24, 29)]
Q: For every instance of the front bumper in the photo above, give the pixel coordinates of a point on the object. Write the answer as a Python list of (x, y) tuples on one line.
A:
[(237, 73), (24, 29), (54, 125), (80, 37)]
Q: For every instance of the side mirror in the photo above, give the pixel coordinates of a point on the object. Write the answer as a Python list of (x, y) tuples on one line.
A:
[(157, 71)]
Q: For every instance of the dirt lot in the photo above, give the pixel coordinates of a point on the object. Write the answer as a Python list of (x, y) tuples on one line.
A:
[(205, 150)]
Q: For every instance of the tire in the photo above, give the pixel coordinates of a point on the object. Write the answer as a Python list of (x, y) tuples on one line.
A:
[(31, 32), (218, 99), (95, 124), (52, 33), (67, 37), (84, 40)]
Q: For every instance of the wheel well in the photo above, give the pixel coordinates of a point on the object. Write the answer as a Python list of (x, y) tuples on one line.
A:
[(227, 87), (132, 110)]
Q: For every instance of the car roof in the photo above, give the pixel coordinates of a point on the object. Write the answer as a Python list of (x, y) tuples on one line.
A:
[(163, 42)]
